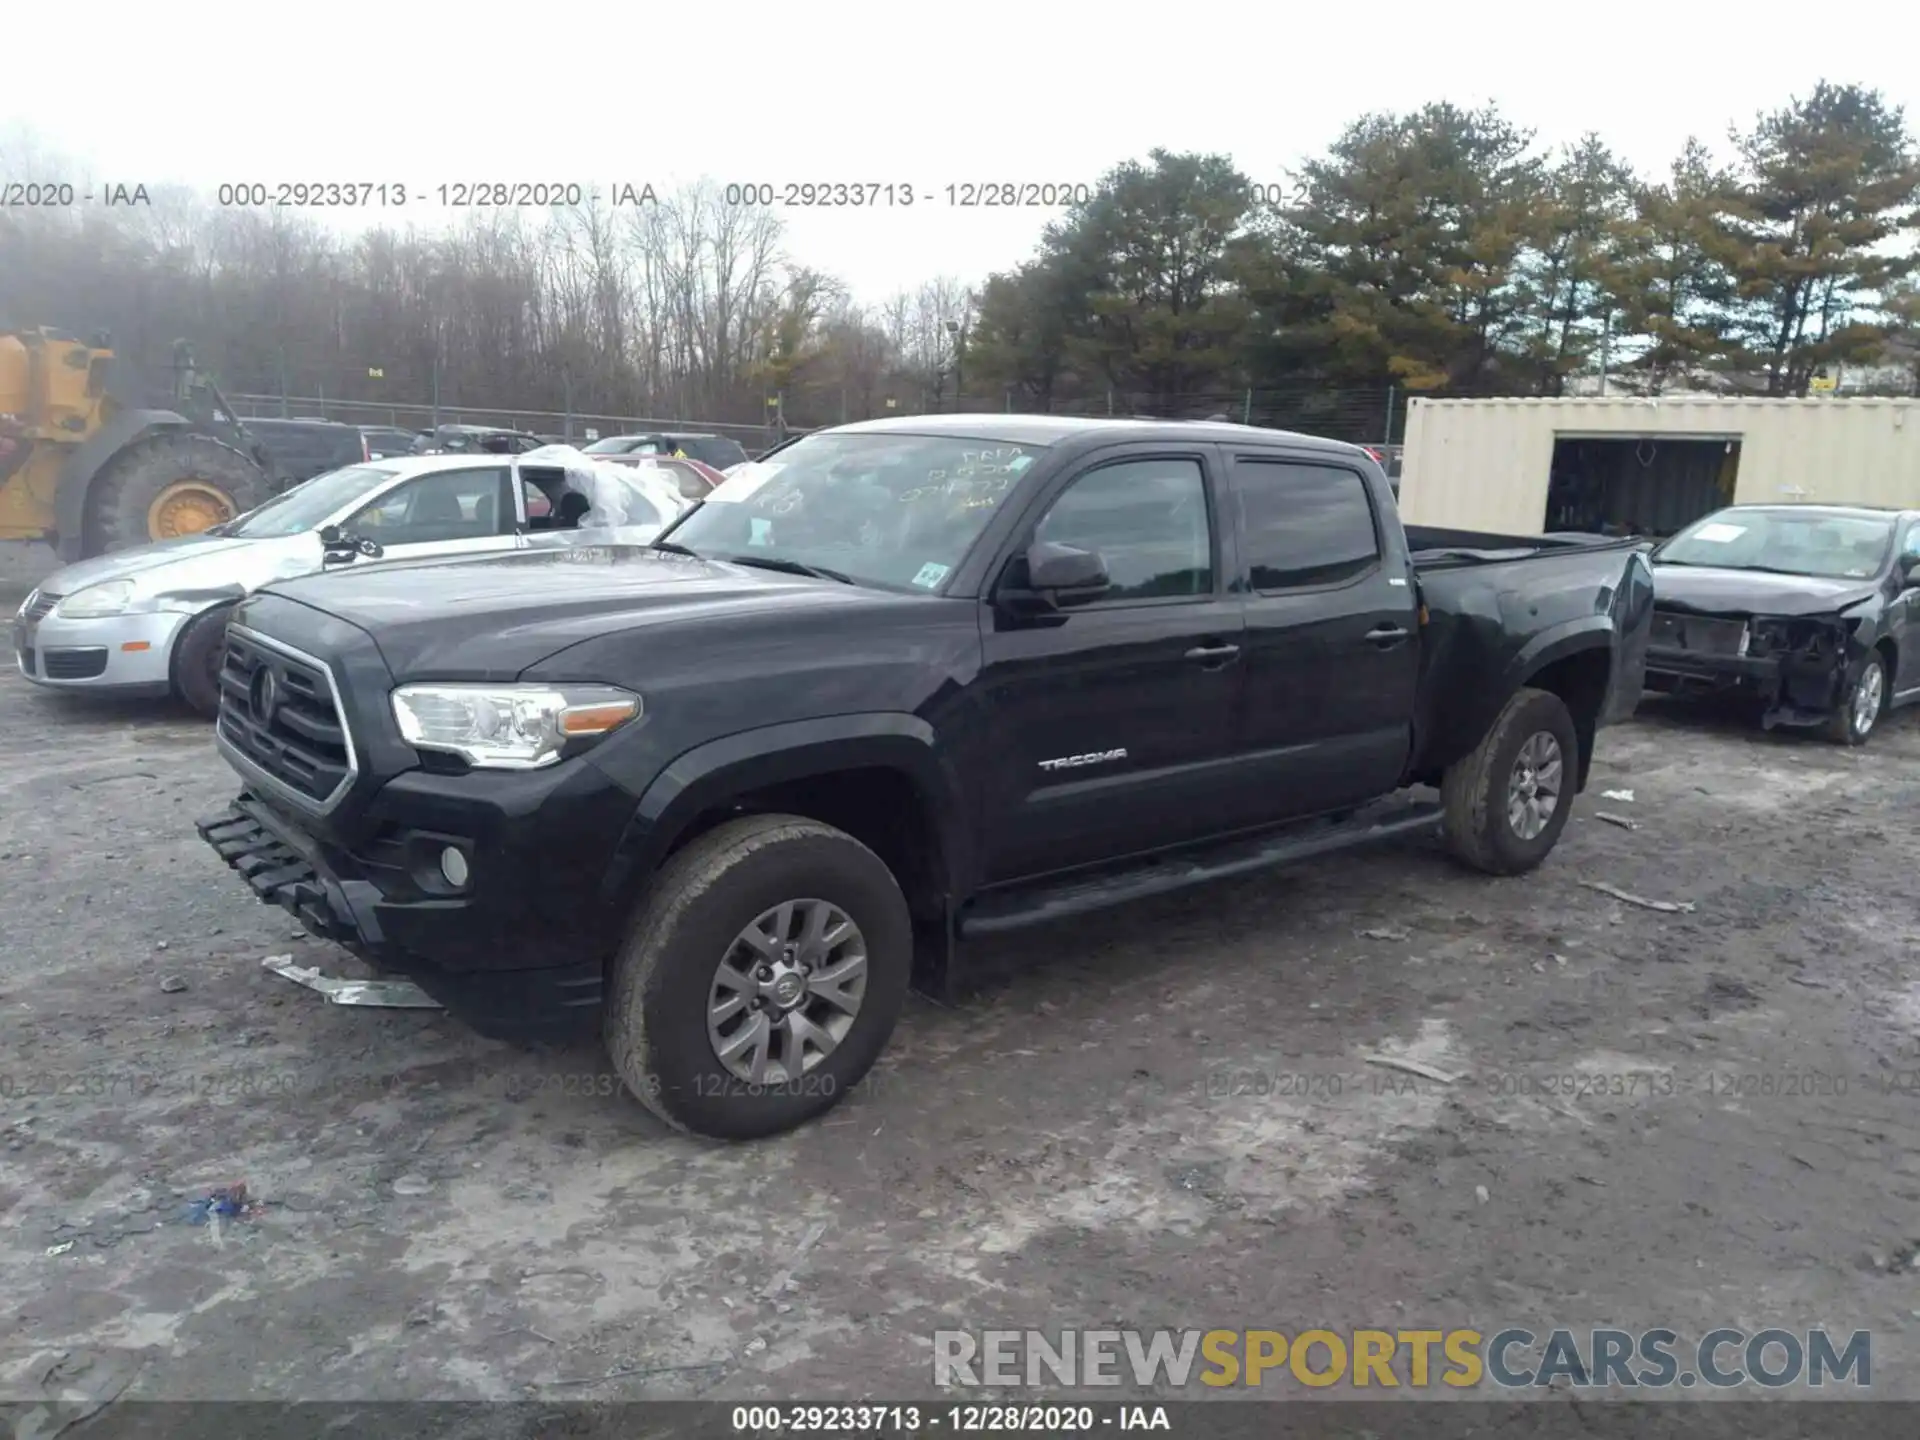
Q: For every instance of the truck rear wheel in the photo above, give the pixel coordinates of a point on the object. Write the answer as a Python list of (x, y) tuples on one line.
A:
[(762, 977), (174, 483), (1507, 801)]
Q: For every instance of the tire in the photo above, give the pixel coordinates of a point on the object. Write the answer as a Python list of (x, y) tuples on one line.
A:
[(1476, 794), (656, 1019), (1846, 726), (120, 507), (197, 656)]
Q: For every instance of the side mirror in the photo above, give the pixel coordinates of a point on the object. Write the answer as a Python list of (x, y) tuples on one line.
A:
[(1910, 572), (1059, 576), (338, 547)]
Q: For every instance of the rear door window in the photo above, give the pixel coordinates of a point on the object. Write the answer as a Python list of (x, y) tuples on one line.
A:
[(1304, 525)]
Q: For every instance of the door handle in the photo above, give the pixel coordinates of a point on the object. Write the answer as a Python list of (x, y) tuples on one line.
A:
[(1213, 653), (1386, 635)]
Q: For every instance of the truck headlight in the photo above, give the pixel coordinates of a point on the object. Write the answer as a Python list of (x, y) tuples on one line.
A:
[(510, 727), (96, 602)]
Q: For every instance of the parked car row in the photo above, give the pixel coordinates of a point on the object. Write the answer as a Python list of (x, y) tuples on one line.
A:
[(152, 621), (305, 446)]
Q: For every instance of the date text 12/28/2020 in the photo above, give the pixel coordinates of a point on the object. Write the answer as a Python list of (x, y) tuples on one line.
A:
[(959, 195), (556, 194), (756, 194)]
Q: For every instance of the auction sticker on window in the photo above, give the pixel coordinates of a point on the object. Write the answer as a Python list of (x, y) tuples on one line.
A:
[(1719, 533), (745, 482), (930, 575)]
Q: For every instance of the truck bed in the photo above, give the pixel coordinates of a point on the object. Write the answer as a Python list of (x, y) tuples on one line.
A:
[(1495, 607), (1434, 548)]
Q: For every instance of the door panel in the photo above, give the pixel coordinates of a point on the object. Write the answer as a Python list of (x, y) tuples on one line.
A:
[(1112, 735), (1333, 657)]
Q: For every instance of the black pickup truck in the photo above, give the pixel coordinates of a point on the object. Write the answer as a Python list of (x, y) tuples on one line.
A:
[(728, 794)]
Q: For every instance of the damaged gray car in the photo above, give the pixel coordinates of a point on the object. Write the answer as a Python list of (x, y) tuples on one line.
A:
[(1810, 610), (152, 621)]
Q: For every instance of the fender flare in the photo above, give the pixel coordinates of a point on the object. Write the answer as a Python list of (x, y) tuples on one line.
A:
[(1575, 637), (709, 775), (1591, 632), (85, 464)]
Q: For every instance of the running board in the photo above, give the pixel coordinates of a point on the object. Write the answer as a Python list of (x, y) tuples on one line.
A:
[(1037, 903)]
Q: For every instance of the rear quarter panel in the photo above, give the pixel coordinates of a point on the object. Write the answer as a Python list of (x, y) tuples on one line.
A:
[(1492, 627)]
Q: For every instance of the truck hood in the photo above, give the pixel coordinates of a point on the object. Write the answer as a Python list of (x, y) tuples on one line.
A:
[(490, 619), (1753, 592)]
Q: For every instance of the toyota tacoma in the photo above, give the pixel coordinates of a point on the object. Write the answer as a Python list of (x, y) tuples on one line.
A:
[(727, 795)]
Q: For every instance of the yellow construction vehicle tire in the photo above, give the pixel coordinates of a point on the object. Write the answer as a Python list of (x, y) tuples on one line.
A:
[(171, 484)]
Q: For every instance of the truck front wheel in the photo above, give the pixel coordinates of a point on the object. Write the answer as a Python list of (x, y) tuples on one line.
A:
[(762, 977), (1507, 801)]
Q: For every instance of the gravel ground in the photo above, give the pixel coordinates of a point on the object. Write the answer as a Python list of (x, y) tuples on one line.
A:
[(1109, 1132)]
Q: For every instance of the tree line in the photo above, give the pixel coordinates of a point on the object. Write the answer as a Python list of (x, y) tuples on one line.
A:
[(1435, 251)]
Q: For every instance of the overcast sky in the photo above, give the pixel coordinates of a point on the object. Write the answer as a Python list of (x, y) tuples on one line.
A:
[(924, 96)]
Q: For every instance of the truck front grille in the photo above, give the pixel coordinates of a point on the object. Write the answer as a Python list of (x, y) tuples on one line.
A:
[(1702, 634), (278, 711)]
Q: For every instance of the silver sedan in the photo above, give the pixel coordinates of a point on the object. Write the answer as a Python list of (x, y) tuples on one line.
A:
[(152, 620)]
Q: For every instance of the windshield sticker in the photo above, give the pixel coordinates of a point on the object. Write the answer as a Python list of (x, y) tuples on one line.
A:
[(1719, 533), (930, 575), (745, 482), (762, 531)]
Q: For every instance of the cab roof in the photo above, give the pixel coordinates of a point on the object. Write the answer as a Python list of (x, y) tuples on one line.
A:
[(1053, 429)]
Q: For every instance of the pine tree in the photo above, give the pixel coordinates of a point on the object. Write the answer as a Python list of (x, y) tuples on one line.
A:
[(1406, 245), (1672, 279), (1827, 182)]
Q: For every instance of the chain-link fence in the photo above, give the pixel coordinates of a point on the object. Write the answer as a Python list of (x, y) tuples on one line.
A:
[(1361, 415)]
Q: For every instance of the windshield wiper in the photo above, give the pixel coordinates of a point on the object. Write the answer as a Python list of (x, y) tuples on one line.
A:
[(790, 567), (674, 547)]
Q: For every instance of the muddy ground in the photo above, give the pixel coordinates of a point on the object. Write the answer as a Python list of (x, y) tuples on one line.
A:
[(448, 1217)]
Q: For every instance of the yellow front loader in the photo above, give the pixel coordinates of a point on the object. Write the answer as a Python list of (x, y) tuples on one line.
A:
[(89, 470)]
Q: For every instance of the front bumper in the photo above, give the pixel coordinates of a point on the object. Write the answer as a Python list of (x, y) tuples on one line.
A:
[(491, 954), (1670, 669), (1793, 692), (128, 655)]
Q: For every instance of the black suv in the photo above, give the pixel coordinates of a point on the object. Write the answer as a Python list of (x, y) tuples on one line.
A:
[(715, 450), (302, 449)]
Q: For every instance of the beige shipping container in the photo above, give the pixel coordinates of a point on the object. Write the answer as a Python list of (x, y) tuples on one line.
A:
[(1649, 466)]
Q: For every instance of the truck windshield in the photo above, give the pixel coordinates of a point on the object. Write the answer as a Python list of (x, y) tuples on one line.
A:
[(895, 511), (306, 506), (1790, 540)]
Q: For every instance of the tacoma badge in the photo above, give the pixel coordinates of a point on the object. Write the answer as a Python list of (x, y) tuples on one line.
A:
[(1071, 762)]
